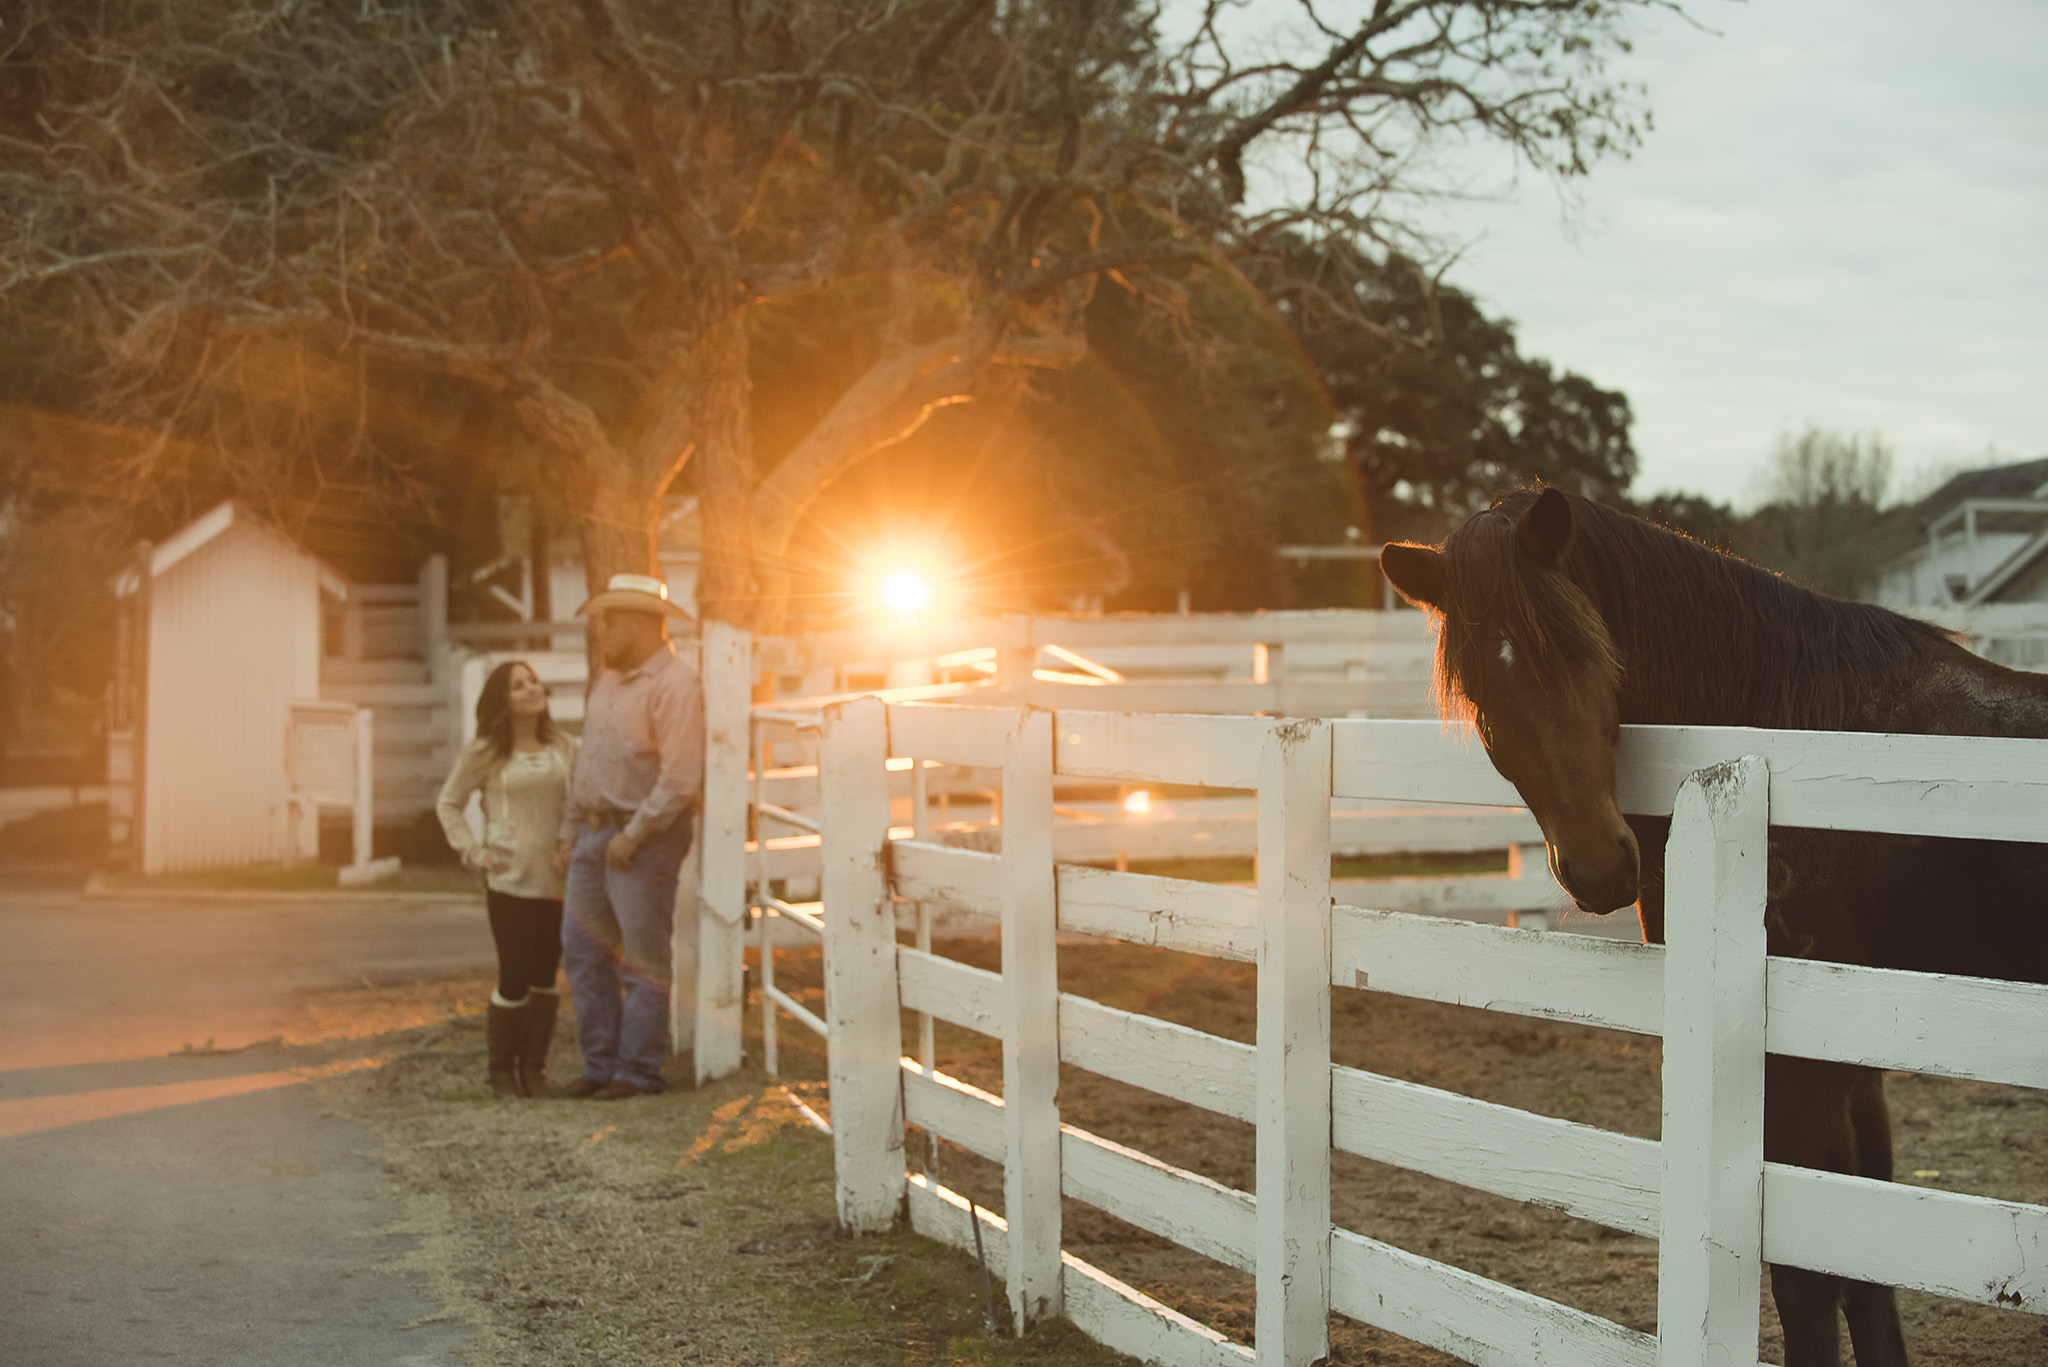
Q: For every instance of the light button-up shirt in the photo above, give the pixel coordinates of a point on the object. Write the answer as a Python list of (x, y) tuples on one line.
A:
[(643, 747)]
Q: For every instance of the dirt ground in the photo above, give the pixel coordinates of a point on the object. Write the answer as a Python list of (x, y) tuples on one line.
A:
[(697, 1227), (693, 1227), (1962, 1136)]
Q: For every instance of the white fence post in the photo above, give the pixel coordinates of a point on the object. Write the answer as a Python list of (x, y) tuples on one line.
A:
[(1031, 1047), (715, 963), (865, 1046), (1710, 1254), (365, 804), (1293, 1165), (1014, 672)]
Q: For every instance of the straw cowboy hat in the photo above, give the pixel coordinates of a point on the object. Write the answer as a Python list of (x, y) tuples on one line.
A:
[(634, 593)]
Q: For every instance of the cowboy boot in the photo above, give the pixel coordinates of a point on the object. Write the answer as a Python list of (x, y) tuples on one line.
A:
[(541, 1006), (504, 1033)]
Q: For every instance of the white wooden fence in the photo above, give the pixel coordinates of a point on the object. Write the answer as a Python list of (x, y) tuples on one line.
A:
[(1329, 662), (1718, 1001), (761, 790)]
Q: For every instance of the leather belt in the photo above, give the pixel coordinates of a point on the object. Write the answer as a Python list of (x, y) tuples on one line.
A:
[(602, 817)]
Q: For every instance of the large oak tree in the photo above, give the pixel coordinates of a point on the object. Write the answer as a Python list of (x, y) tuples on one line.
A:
[(282, 226)]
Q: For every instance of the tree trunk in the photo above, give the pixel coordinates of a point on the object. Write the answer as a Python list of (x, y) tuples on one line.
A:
[(618, 537), (617, 513), (618, 529), (540, 557), (727, 590)]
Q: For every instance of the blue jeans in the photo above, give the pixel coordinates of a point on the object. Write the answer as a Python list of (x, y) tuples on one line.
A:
[(616, 928)]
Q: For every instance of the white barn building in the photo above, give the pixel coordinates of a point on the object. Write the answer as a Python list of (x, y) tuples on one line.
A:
[(221, 636), (234, 638)]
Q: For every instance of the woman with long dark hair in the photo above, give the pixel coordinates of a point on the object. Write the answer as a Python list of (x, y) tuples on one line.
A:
[(520, 761)]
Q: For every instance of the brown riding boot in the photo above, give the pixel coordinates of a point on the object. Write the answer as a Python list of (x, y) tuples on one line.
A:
[(504, 1033), (541, 1005)]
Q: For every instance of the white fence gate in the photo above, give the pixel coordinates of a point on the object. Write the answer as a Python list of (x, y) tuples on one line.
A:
[(1718, 1001)]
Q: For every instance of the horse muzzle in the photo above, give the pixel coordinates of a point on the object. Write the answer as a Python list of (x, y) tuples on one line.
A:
[(1602, 879)]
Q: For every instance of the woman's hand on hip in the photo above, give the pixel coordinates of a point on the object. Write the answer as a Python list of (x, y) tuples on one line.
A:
[(488, 859)]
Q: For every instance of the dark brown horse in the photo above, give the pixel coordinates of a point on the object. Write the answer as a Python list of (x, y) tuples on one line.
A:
[(1563, 620)]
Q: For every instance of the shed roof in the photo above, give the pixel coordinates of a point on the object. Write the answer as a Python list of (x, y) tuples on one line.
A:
[(213, 524)]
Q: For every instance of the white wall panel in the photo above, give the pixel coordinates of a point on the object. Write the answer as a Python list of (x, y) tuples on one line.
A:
[(234, 635)]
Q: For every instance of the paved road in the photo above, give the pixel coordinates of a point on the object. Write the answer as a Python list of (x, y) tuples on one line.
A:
[(163, 1206)]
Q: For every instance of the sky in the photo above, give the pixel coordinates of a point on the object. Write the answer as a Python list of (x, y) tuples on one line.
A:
[(1840, 218)]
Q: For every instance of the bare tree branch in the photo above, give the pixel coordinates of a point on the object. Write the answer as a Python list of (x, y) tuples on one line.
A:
[(581, 209)]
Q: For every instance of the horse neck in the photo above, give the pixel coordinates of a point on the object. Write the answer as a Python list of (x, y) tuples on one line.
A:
[(1727, 644)]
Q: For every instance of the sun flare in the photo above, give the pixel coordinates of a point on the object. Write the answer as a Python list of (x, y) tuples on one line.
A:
[(906, 592)]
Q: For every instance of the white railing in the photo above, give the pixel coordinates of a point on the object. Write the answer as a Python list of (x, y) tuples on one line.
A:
[(1321, 663), (761, 772), (763, 906), (1714, 995)]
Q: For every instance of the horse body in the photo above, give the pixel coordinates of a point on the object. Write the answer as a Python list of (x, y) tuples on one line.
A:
[(1563, 620)]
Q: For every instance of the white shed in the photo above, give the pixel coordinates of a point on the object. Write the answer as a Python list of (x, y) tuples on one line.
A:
[(223, 638)]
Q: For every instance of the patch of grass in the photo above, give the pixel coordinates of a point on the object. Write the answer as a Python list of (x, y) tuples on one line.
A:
[(1420, 865), (694, 1227), (874, 1299), (1195, 870)]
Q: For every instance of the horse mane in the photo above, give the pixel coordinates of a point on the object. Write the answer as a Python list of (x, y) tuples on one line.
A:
[(1691, 635)]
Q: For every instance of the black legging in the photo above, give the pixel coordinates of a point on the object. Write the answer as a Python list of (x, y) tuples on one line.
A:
[(528, 932)]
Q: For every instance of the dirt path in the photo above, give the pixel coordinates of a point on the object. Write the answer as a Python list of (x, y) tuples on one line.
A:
[(693, 1227), (1962, 1136), (697, 1226)]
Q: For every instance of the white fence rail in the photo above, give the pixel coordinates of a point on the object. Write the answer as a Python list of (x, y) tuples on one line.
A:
[(761, 781), (1718, 1001), (1287, 663)]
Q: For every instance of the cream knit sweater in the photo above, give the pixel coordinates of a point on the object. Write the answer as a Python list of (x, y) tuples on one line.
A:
[(522, 801)]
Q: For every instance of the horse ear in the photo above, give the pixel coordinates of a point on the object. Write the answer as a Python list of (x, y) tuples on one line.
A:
[(1545, 529), (1417, 571)]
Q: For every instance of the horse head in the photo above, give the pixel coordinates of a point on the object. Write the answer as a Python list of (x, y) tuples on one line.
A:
[(1524, 653)]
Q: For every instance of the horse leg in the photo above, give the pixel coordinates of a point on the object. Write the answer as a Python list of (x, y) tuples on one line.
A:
[(1808, 1303), (1872, 1310), (1806, 1123)]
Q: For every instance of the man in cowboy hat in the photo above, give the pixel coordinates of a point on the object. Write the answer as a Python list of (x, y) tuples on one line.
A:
[(625, 830)]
